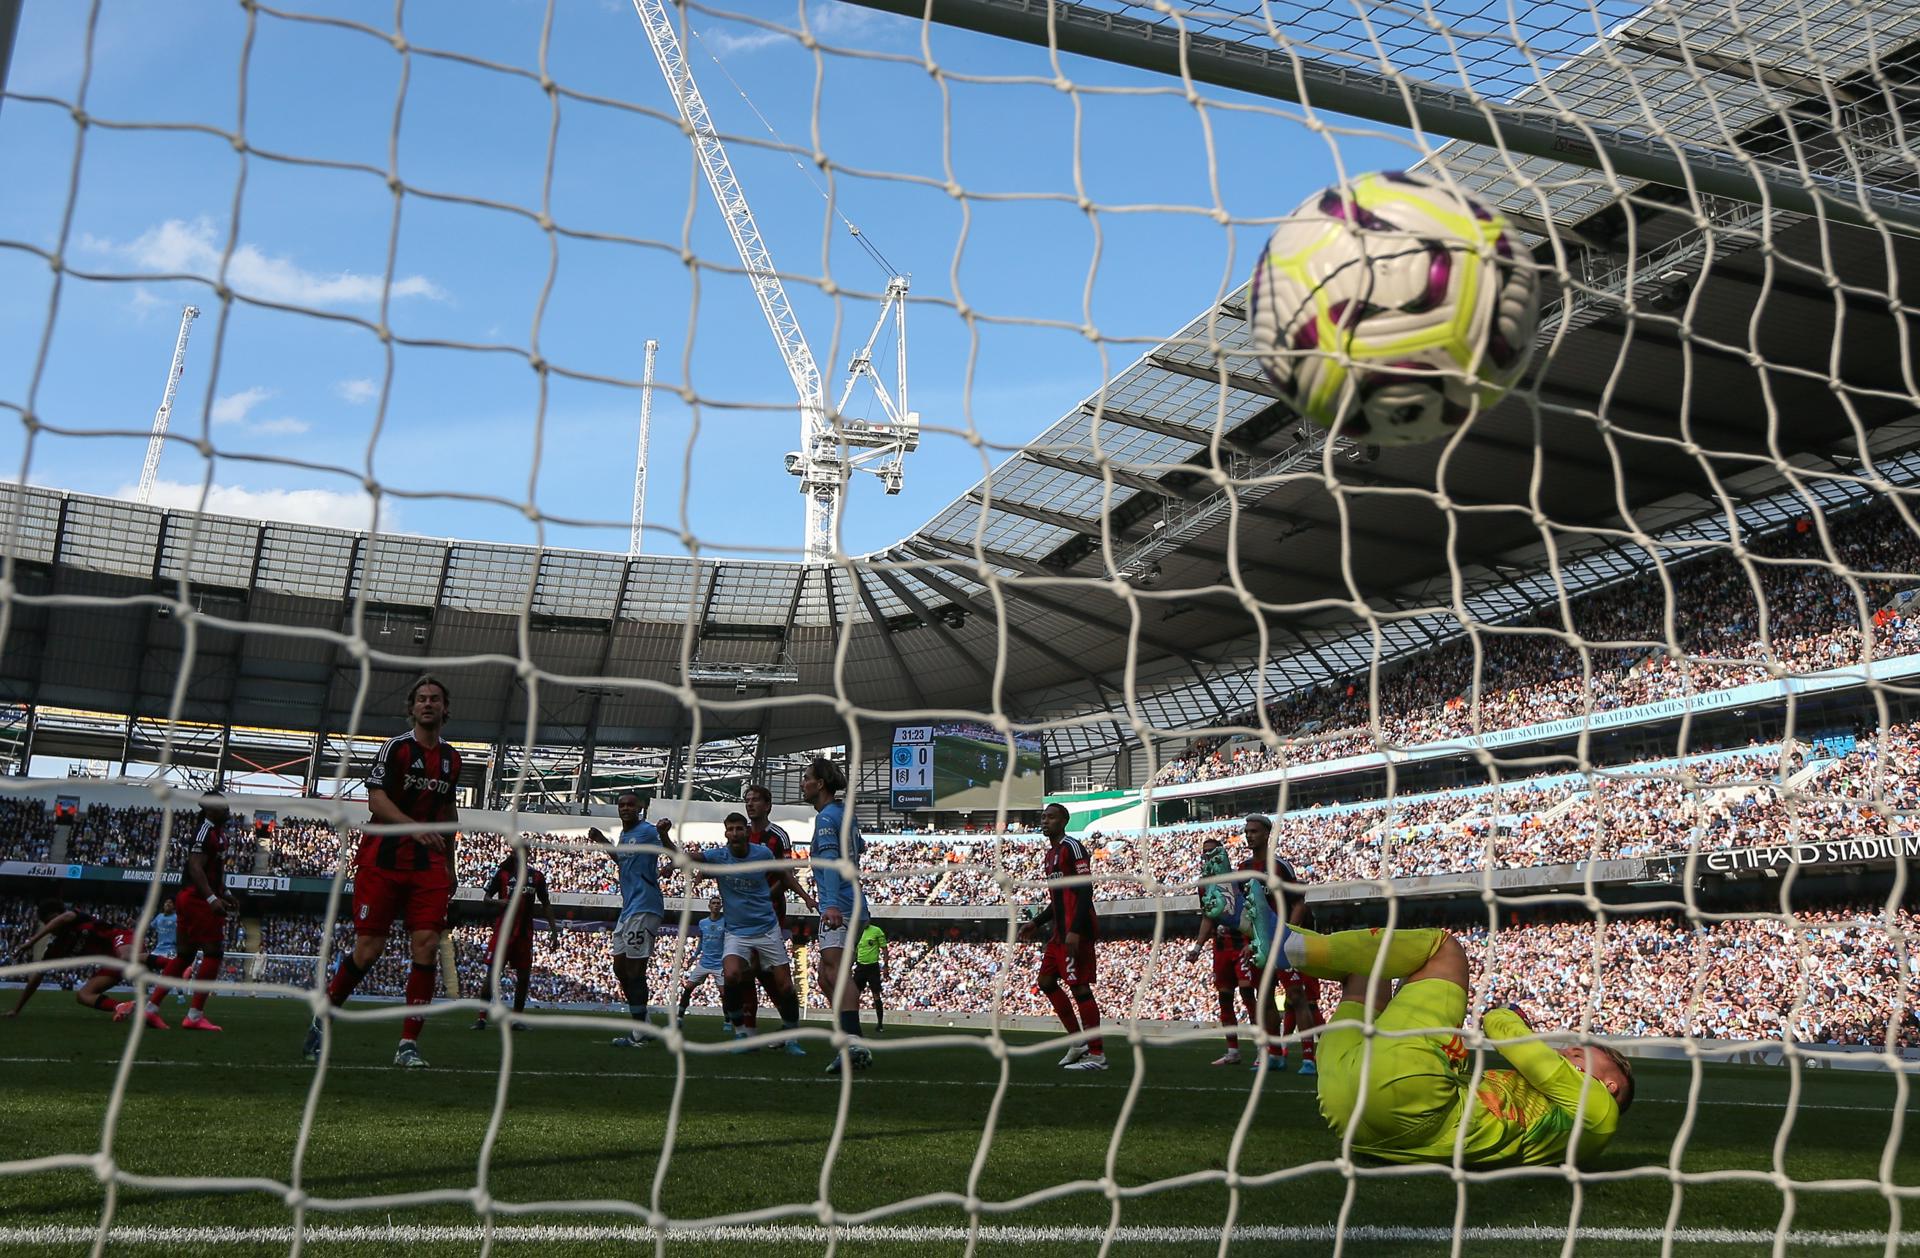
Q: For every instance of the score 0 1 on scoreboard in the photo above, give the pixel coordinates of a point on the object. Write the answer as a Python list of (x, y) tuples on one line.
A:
[(912, 767), (963, 766)]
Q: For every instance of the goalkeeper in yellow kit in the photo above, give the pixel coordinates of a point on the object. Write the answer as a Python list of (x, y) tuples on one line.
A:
[(1416, 1099)]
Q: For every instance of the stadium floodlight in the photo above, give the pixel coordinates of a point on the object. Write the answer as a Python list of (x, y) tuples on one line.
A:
[(715, 674)]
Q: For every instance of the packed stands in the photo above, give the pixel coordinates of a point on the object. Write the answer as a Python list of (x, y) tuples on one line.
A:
[(1753, 977), (26, 830), (1839, 978), (1812, 619), (1710, 801)]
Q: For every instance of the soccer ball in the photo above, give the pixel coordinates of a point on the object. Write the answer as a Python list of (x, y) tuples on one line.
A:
[(1389, 307)]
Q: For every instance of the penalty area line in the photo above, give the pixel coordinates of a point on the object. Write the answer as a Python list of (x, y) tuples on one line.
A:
[(554, 1234)]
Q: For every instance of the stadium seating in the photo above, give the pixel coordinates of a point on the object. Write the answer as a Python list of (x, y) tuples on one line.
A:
[(1754, 977), (1723, 800), (1812, 619)]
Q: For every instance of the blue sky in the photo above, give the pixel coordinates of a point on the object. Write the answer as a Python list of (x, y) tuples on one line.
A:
[(471, 422)]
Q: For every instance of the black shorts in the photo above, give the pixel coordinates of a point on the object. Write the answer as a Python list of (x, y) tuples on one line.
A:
[(867, 975)]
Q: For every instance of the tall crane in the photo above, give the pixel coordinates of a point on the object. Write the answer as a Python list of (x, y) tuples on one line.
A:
[(646, 443), (150, 471), (832, 446)]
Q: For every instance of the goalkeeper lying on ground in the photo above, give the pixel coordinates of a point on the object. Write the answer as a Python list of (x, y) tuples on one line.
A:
[(1416, 1099)]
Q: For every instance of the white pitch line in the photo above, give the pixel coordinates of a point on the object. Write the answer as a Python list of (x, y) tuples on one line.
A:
[(865, 1080), (509, 1234)]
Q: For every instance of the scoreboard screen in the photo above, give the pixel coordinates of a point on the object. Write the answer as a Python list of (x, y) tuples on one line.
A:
[(960, 766)]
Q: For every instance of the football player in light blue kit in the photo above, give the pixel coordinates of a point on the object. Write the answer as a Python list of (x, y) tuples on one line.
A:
[(709, 963), (753, 939), (166, 932), (836, 836), (637, 853)]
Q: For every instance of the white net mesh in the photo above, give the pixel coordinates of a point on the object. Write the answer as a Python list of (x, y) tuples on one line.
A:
[(1613, 683)]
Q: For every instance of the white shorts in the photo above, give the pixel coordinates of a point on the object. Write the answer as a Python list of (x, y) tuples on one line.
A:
[(765, 951), (835, 938), (633, 935), (700, 974)]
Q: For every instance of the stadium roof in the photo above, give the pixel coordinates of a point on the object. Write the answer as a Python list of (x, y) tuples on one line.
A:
[(1243, 537)]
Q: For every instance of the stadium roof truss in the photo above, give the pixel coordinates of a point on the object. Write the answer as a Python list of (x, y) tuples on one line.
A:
[(1180, 523)]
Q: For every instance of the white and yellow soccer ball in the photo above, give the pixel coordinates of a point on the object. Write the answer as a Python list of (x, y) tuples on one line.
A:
[(1391, 307)]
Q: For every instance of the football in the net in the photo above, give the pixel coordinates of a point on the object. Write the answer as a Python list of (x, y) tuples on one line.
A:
[(1390, 308)]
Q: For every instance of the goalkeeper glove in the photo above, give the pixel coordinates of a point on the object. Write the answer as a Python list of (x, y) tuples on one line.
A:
[(1513, 1007)]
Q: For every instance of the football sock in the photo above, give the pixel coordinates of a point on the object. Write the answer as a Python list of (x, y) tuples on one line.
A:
[(788, 1003), (420, 981), (686, 998), (879, 1011), (174, 969), (1227, 1020), (209, 969), (346, 977), (1090, 1019), (1063, 1006), (104, 1005), (1353, 951), (850, 1021), (637, 1001)]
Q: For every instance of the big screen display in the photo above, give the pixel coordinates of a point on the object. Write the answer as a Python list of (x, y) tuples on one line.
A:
[(960, 765)]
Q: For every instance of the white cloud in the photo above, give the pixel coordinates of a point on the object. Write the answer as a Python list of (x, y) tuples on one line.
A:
[(179, 247), (725, 43), (237, 409), (143, 302), (828, 21), (234, 407), (358, 392), (281, 506)]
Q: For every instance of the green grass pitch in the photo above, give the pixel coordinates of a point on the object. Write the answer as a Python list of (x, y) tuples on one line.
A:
[(586, 1122)]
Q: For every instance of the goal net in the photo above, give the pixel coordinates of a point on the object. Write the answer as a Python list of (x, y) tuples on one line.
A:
[(1611, 684)]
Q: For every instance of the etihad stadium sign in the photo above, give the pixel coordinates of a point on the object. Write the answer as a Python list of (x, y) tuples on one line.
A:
[(1870, 850)]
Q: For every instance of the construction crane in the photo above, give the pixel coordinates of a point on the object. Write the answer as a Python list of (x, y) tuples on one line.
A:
[(832, 447), (150, 471), (646, 440)]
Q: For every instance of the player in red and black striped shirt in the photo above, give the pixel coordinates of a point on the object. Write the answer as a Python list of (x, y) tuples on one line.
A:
[(204, 908), (406, 872), (513, 934), (1069, 953), (72, 933)]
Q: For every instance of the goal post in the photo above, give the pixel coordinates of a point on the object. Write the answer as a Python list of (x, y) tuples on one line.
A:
[(1617, 682)]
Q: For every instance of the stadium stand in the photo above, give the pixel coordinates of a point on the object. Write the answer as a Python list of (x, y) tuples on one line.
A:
[(1812, 623)]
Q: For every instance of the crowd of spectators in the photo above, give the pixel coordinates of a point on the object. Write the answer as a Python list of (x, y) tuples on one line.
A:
[(1750, 796), (27, 827), (1835, 975), (1839, 974), (1527, 672), (127, 837)]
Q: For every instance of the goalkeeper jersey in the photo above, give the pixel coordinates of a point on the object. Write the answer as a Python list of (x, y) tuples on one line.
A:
[(1523, 1116)]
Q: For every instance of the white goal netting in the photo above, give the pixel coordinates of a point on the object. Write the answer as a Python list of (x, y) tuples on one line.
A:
[(1615, 682)]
